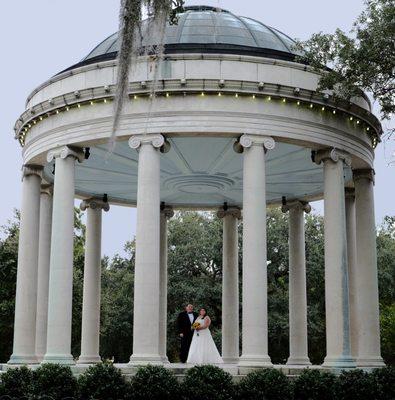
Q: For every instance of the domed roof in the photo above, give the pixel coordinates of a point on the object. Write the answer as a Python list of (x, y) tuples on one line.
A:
[(203, 29)]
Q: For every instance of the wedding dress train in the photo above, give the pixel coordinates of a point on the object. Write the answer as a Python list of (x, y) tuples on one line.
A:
[(203, 349)]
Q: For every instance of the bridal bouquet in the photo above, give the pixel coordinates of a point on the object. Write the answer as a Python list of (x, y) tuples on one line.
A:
[(195, 325)]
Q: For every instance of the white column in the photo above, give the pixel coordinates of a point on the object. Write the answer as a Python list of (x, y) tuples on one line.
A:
[(61, 262), (26, 285), (90, 329), (147, 270), (352, 267), (338, 349), (230, 285), (166, 212), (366, 286), (298, 354), (254, 297), (44, 253)]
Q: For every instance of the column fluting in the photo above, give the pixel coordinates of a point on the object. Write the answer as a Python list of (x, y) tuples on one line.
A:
[(44, 254), (366, 281), (24, 351), (254, 275), (230, 284), (147, 267), (90, 330), (166, 213), (336, 269), (60, 295), (298, 348)]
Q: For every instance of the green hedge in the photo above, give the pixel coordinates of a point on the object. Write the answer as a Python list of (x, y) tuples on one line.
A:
[(104, 381)]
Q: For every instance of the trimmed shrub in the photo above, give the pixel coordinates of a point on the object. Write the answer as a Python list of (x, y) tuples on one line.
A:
[(16, 382), (53, 380), (266, 384), (208, 382), (102, 381), (154, 383), (355, 384), (384, 381), (313, 384)]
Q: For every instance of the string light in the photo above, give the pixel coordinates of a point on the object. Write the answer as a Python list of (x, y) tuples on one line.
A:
[(28, 126)]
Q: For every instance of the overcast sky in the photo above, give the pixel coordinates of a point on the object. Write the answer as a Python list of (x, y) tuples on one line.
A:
[(42, 37)]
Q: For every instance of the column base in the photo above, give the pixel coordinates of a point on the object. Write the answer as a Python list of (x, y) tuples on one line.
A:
[(62, 359), (165, 360), (143, 359), (341, 362), (89, 360), (373, 362), (255, 361), (22, 360), (298, 361), (231, 360)]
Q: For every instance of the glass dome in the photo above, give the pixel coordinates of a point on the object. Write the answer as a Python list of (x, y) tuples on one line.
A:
[(206, 29)]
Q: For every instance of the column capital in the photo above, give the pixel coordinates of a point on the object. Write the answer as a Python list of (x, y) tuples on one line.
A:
[(64, 152), (296, 204), (47, 189), (31, 169), (247, 140), (367, 173), (232, 211), (349, 192), (94, 204), (167, 211), (157, 141), (332, 154)]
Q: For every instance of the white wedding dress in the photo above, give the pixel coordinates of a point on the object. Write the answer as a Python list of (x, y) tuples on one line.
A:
[(203, 349)]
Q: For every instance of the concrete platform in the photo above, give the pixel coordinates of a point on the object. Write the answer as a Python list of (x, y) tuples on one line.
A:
[(179, 369)]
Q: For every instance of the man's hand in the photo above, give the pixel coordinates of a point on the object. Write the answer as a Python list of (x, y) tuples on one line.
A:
[(181, 335)]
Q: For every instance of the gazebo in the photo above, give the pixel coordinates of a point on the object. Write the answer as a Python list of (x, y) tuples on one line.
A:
[(234, 123)]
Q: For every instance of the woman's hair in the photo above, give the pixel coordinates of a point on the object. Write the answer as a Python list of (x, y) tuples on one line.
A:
[(205, 311)]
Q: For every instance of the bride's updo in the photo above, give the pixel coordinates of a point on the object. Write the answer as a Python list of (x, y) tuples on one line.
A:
[(205, 312)]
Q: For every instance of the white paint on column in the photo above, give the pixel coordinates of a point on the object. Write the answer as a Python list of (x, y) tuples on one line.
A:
[(90, 330), (352, 267), (369, 354), (44, 253), (298, 354), (26, 286), (336, 270), (147, 270), (230, 285), (60, 296), (254, 290), (165, 214)]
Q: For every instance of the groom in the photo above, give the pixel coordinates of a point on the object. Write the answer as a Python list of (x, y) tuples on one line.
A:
[(184, 324)]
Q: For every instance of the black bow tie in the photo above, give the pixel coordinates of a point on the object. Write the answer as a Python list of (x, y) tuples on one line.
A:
[(190, 313)]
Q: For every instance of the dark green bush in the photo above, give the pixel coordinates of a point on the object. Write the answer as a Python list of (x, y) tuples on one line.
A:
[(154, 383), (55, 381), (267, 384), (384, 382), (102, 381), (313, 384), (207, 382), (354, 384), (16, 382)]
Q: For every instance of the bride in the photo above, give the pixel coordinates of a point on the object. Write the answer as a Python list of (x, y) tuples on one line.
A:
[(203, 349)]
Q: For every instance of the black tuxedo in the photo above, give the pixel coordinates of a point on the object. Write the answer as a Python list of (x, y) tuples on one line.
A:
[(184, 326)]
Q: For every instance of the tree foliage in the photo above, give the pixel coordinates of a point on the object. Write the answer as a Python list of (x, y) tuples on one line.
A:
[(363, 60), (195, 275)]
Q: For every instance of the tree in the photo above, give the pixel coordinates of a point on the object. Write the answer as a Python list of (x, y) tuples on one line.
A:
[(362, 61)]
